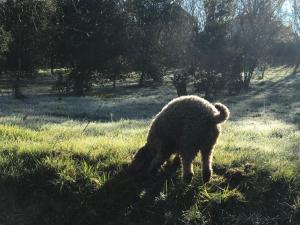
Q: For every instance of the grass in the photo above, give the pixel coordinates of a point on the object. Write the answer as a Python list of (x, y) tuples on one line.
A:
[(64, 161)]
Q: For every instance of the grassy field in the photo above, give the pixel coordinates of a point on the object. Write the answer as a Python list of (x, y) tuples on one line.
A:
[(63, 160)]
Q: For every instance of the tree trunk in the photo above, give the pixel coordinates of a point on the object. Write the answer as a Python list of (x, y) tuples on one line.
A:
[(78, 84), (52, 65), (16, 83), (78, 90), (181, 89), (297, 65), (16, 87), (142, 79), (114, 80), (247, 77), (247, 80), (297, 62), (263, 72)]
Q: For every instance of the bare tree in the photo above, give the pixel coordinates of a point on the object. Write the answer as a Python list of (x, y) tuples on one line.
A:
[(257, 24), (196, 9)]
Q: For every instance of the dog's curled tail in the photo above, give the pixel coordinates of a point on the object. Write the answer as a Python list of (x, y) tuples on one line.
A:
[(223, 114)]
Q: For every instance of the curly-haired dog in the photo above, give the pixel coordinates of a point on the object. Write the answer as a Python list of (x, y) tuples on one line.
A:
[(184, 126)]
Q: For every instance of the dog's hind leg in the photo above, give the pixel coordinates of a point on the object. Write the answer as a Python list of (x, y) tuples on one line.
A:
[(206, 155), (187, 165)]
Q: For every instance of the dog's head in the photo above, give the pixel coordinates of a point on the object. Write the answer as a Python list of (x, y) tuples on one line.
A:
[(141, 160)]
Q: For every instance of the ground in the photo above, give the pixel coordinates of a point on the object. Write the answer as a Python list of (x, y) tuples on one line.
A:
[(63, 160)]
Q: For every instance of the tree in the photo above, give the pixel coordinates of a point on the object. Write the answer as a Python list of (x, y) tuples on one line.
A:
[(148, 19), (26, 20), (5, 40), (296, 15), (256, 26), (177, 39), (217, 53), (92, 34)]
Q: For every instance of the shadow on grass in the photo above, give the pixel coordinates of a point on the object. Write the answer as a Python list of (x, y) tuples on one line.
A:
[(30, 194), (279, 99)]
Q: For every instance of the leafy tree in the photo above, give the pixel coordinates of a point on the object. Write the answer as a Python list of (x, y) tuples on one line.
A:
[(92, 34), (217, 58), (114, 69), (178, 46), (5, 40), (26, 20), (148, 19)]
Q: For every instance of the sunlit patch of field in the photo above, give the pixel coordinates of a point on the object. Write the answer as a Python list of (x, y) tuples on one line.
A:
[(64, 161)]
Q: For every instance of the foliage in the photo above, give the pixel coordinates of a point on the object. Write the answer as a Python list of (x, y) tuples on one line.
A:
[(5, 39), (219, 60), (258, 25), (180, 52), (88, 39), (218, 44), (148, 20), (26, 21)]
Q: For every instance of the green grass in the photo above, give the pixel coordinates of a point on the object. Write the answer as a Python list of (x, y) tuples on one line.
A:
[(60, 165)]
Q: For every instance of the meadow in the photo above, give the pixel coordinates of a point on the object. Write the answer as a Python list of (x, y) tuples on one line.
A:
[(63, 159)]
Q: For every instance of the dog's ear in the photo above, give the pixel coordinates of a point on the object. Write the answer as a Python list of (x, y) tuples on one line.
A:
[(141, 153)]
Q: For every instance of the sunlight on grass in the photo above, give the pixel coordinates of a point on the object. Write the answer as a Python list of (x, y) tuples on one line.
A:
[(270, 144), (79, 153)]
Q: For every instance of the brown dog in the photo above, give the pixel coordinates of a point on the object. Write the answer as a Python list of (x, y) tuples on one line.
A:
[(184, 126)]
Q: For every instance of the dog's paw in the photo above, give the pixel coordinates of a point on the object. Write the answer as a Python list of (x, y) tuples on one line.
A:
[(187, 178), (206, 175)]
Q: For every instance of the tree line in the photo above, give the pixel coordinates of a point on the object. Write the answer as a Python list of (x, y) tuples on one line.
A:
[(216, 44)]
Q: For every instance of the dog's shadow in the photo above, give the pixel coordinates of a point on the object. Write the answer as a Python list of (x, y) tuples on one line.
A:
[(125, 198)]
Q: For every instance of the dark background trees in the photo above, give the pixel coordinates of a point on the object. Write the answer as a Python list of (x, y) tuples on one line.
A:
[(216, 44), (147, 22), (91, 36), (26, 21), (216, 57), (5, 39)]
